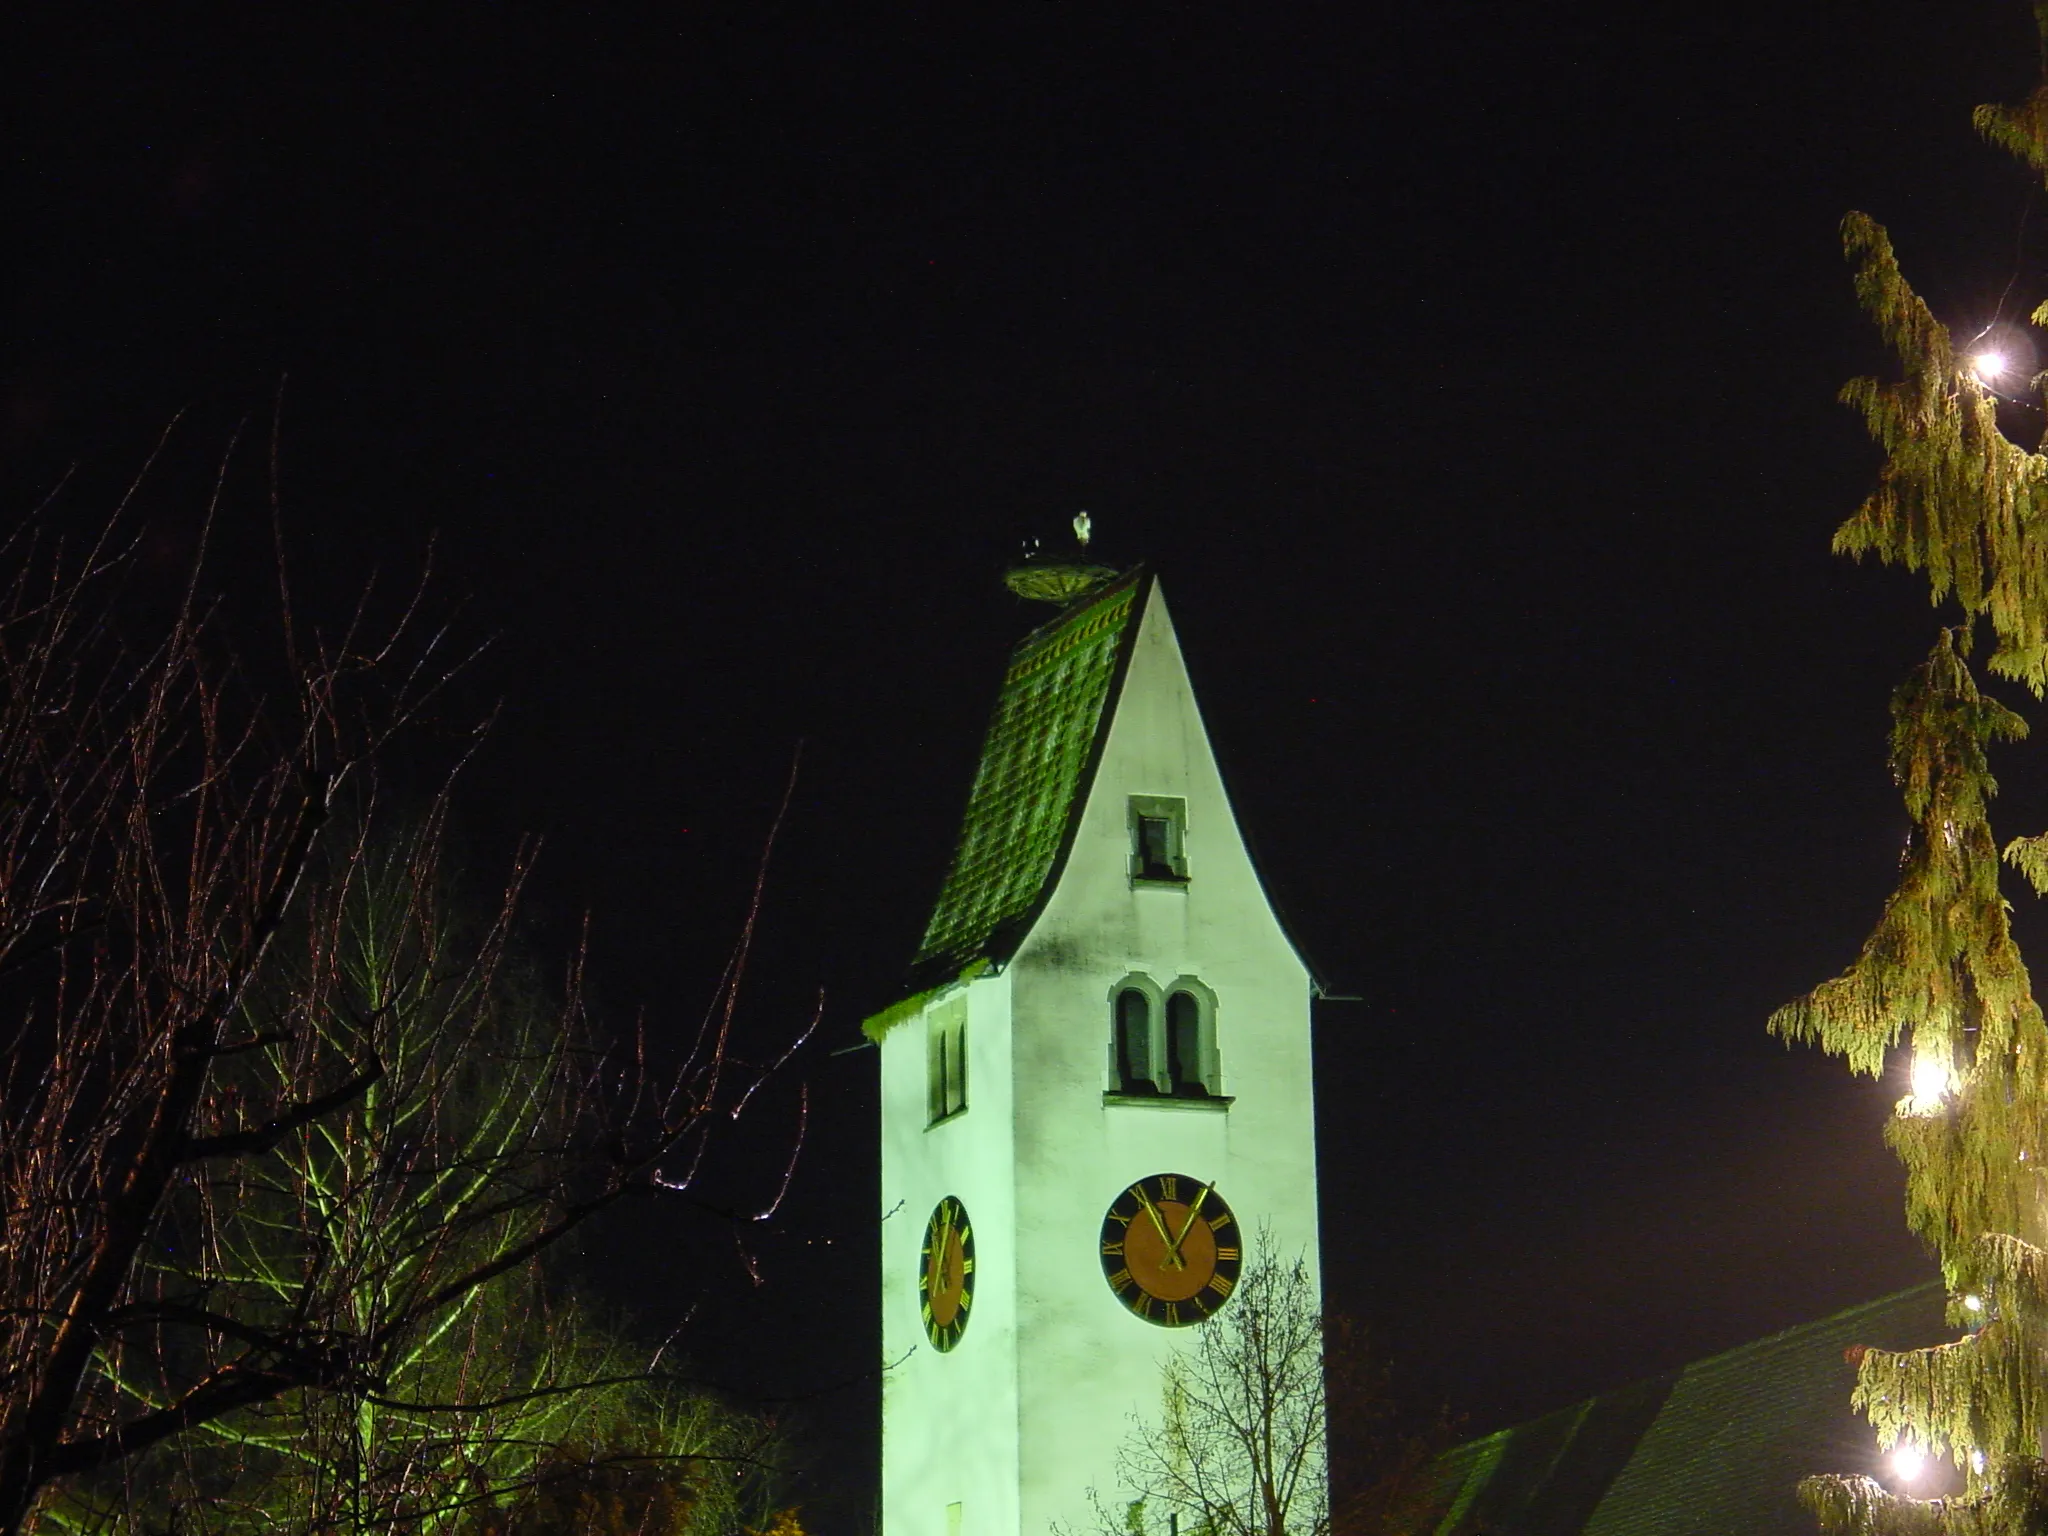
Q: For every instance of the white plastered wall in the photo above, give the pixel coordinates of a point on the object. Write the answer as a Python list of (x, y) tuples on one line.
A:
[(949, 1421)]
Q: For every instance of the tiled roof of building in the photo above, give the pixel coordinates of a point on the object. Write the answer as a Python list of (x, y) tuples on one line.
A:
[(1715, 1449), (1047, 729)]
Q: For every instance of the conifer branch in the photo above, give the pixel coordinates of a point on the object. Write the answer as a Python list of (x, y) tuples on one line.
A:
[(1959, 501)]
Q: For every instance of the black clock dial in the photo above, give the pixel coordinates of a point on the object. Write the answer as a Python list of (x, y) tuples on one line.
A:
[(1171, 1250), (945, 1279)]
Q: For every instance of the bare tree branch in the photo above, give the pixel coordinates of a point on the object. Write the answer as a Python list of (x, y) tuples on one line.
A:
[(206, 912), (264, 1138)]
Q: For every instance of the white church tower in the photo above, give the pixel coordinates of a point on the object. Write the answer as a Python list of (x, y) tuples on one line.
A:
[(1102, 1095)]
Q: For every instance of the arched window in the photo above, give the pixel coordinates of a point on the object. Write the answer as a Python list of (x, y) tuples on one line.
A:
[(1186, 1047), (1133, 1043)]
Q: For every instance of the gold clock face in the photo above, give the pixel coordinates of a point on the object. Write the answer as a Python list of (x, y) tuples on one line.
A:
[(946, 1274), (1171, 1249)]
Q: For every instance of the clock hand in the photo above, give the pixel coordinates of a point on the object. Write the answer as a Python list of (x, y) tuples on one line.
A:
[(935, 1262), (1188, 1226), (1159, 1221)]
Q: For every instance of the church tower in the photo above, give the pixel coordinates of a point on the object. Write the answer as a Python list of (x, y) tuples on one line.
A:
[(1098, 1098)]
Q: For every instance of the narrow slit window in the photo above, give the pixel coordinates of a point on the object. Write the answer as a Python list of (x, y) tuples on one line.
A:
[(946, 1064), (956, 1071), (1134, 1042), (1158, 839)]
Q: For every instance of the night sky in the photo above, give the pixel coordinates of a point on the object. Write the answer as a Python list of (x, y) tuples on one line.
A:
[(1467, 371)]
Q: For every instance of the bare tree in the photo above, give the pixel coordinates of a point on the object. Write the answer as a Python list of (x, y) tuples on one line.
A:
[(510, 1397), (1241, 1446), (234, 1167)]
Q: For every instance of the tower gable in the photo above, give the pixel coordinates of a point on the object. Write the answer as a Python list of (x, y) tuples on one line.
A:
[(1067, 685), (1154, 849)]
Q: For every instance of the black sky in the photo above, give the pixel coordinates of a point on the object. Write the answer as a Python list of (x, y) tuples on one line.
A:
[(1467, 370)]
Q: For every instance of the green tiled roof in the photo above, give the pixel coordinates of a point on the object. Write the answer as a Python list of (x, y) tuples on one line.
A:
[(1715, 1449), (1047, 725)]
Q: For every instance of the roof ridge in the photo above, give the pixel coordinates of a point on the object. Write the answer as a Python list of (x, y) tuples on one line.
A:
[(1833, 1319)]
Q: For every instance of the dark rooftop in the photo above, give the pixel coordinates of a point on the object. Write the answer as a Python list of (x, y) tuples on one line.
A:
[(1717, 1448)]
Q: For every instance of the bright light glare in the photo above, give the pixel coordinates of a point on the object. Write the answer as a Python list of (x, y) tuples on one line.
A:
[(1931, 1082), (1908, 1462), (1973, 1303), (1976, 1461), (1988, 365)]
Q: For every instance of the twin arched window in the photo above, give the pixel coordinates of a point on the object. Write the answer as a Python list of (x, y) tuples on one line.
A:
[(1163, 1045)]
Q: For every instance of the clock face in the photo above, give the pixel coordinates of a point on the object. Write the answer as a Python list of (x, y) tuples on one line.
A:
[(1171, 1249), (946, 1275)]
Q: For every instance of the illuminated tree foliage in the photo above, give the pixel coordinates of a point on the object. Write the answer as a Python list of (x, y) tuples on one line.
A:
[(1941, 975)]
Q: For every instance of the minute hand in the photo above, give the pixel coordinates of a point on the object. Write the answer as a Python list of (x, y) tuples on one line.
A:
[(1173, 1248), (1158, 1221)]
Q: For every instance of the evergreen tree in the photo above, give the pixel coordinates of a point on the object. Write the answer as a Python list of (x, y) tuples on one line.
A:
[(1941, 974)]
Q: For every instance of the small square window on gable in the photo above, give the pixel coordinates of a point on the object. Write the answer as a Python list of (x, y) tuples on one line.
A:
[(1159, 839)]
